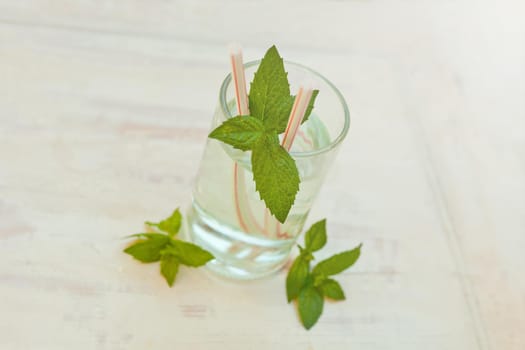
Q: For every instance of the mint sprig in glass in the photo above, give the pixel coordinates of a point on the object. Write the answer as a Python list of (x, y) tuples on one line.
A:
[(254, 190)]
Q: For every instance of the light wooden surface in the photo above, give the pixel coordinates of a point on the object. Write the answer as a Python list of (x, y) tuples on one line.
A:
[(104, 111)]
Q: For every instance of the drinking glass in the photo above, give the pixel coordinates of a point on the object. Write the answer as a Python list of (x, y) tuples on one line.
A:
[(227, 216)]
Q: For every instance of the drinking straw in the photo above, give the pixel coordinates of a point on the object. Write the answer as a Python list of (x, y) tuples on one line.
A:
[(242, 208), (239, 79), (296, 115)]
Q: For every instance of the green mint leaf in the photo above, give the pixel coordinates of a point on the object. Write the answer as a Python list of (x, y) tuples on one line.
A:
[(170, 225), (310, 105), (241, 132), (152, 247), (337, 263), (188, 254), (310, 304), (148, 250), (332, 289), (296, 278), (269, 97), (169, 266), (275, 174), (277, 122), (315, 237)]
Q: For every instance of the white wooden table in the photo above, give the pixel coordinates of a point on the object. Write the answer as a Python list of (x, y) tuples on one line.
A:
[(104, 111)]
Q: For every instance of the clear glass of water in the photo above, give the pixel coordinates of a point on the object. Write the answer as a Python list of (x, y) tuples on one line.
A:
[(227, 216)]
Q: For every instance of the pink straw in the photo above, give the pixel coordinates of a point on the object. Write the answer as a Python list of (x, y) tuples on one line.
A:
[(296, 116), (246, 219), (239, 80)]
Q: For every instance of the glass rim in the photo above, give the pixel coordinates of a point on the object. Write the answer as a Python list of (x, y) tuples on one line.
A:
[(346, 112)]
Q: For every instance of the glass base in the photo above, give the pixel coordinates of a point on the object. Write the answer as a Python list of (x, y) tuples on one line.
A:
[(238, 255), (239, 273)]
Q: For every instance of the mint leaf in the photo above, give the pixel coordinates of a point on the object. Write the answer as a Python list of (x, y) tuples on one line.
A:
[(170, 225), (310, 105), (277, 122), (337, 263), (188, 254), (274, 171), (275, 175), (148, 250), (269, 97), (296, 277), (310, 288), (315, 237), (241, 132), (332, 289), (169, 266), (152, 247), (310, 303)]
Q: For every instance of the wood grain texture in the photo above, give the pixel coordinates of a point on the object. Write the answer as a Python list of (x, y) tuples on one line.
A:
[(104, 113)]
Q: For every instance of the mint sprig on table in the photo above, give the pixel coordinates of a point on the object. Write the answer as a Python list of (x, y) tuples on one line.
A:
[(164, 247), (274, 170), (311, 287)]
